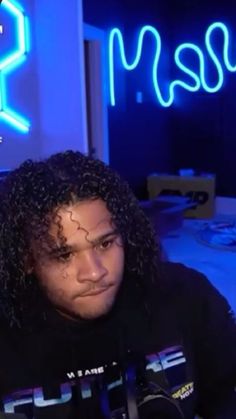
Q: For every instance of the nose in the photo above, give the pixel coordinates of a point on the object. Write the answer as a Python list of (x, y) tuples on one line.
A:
[(91, 267)]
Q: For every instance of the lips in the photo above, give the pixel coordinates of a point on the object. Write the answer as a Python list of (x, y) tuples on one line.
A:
[(95, 292)]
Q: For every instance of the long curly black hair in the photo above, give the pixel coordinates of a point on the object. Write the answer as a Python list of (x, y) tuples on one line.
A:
[(28, 198)]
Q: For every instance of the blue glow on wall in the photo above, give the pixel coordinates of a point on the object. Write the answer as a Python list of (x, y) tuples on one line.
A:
[(198, 79), (10, 62)]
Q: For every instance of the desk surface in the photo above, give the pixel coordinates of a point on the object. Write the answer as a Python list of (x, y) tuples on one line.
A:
[(218, 265)]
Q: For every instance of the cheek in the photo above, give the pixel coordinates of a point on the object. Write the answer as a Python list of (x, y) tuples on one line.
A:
[(115, 262), (55, 286), (52, 277)]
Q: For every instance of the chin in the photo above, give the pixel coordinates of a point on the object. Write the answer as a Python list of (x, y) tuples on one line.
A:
[(91, 308), (94, 314)]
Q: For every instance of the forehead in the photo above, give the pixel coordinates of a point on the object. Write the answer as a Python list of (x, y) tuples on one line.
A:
[(90, 216)]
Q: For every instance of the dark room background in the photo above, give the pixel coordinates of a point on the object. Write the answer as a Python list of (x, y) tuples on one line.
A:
[(198, 130)]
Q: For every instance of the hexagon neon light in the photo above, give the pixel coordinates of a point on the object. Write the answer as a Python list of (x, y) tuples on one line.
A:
[(9, 63)]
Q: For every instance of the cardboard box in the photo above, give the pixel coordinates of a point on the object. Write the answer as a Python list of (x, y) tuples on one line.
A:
[(200, 190)]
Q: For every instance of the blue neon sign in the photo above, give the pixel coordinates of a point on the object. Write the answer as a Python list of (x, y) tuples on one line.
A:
[(9, 62), (198, 79)]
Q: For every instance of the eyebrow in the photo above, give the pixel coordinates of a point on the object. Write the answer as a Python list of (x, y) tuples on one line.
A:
[(70, 247), (104, 236)]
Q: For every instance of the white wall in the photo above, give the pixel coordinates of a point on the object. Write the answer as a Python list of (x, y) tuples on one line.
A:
[(49, 87), (60, 65)]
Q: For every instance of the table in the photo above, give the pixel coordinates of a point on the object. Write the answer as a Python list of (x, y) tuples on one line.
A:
[(218, 265)]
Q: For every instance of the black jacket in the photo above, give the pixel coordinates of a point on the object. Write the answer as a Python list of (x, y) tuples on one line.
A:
[(168, 354)]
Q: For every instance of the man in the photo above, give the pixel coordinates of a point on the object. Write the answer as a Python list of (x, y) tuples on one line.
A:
[(93, 325)]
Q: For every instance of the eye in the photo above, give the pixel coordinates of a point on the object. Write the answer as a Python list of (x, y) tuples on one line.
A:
[(65, 257), (105, 244)]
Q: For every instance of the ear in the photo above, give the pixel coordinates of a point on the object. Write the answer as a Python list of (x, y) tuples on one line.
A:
[(29, 270), (29, 264)]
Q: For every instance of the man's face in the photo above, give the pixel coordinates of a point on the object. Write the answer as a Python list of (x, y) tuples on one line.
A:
[(82, 276)]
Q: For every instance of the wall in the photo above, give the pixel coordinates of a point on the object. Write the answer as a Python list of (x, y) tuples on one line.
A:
[(138, 133), (48, 87), (203, 133), (198, 131)]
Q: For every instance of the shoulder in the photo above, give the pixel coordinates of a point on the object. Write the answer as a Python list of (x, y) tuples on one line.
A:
[(190, 292), (187, 281), (208, 322), (178, 279)]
